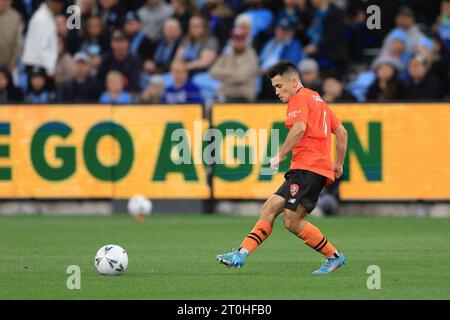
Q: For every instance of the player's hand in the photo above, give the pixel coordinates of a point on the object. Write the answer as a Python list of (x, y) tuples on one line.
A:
[(275, 162), (338, 170)]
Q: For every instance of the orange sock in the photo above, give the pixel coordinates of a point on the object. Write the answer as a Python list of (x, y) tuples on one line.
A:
[(312, 236), (259, 233)]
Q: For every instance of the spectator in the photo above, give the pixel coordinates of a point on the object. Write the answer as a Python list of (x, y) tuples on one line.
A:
[(64, 66), (262, 18), (70, 37), (115, 92), (183, 11), (41, 42), (283, 46), (95, 59), (290, 12), (310, 74), (244, 23), (237, 70), (326, 35), (40, 90), (140, 45), (182, 90), (387, 86), (220, 19), (440, 67), (8, 92), (421, 86), (87, 8), (95, 34), (26, 8), (112, 13), (442, 25), (405, 21), (334, 91), (83, 87), (166, 48), (305, 13), (153, 14), (121, 60), (198, 49), (10, 35), (396, 48), (154, 91)]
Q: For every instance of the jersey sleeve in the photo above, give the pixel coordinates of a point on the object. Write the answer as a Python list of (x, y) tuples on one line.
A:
[(335, 122), (297, 111)]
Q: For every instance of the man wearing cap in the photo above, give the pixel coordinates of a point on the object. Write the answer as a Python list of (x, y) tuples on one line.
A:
[(121, 60), (283, 46), (237, 70), (83, 88), (405, 21), (41, 41), (140, 45)]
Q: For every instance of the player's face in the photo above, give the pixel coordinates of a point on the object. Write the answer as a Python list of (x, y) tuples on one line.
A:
[(284, 87)]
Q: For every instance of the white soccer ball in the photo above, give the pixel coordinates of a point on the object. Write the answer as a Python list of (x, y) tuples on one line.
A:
[(139, 205), (111, 260)]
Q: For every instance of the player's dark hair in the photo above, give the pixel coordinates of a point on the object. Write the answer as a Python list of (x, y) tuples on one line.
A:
[(282, 68)]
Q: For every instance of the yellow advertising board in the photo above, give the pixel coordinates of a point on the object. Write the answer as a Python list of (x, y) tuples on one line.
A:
[(395, 151), (97, 151)]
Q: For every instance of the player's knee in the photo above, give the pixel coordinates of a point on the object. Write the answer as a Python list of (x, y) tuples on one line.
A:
[(291, 222), (267, 213)]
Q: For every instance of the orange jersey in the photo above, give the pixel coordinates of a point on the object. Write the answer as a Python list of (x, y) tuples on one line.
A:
[(312, 152)]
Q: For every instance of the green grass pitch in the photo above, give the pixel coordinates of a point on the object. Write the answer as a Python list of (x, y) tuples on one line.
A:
[(173, 257)]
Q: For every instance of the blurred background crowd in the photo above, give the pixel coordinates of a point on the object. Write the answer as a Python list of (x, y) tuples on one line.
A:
[(204, 51)]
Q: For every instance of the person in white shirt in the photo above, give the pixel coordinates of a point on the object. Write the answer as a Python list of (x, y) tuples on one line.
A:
[(41, 41)]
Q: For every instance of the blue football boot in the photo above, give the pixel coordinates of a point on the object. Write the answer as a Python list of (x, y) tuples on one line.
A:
[(232, 259), (330, 264)]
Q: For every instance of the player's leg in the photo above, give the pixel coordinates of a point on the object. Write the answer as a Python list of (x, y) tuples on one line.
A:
[(304, 191), (311, 235), (294, 221), (263, 227), (260, 232)]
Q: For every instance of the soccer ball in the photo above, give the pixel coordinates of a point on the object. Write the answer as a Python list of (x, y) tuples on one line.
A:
[(139, 206), (111, 260)]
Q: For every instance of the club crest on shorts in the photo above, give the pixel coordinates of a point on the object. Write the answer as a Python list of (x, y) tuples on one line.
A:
[(294, 189)]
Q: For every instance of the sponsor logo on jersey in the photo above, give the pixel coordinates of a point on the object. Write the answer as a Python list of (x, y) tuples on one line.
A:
[(293, 114)]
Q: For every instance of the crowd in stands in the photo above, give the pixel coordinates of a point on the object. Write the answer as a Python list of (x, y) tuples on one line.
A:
[(201, 51)]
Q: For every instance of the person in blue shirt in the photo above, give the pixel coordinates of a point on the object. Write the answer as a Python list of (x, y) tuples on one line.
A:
[(182, 90), (114, 89), (283, 46)]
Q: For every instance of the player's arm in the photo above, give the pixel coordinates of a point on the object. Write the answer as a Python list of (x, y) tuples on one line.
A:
[(295, 134), (341, 148)]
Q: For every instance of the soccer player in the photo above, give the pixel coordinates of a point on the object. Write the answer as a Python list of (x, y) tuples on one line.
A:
[(310, 122)]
